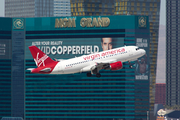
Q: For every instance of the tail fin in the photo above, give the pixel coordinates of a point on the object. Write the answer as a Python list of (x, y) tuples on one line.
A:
[(40, 58)]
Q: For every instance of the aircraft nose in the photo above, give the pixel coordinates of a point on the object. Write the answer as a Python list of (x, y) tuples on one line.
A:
[(143, 52)]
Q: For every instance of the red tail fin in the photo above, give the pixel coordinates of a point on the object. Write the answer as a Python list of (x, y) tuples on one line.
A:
[(40, 58)]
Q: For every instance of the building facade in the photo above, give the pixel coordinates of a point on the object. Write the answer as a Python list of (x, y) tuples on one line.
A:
[(160, 96), (92, 7), (122, 94), (44, 8), (19, 8), (5, 61), (62, 8), (37, 8), (149, 8), (172, 53)]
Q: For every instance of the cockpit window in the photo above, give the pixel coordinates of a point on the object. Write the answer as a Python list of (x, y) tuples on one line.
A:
[(137, 48)]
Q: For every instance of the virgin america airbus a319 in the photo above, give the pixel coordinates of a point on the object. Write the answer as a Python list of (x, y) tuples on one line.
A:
[(109, 60)]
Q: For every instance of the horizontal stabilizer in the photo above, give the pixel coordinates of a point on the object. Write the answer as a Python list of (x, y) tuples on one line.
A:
[(46, 70), (30, 69)]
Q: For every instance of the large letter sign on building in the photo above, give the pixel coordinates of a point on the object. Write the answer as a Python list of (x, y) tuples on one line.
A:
[(65, 23), (115, 95)]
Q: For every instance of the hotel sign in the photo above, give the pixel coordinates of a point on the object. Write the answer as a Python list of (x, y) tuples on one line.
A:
[(84, 22)]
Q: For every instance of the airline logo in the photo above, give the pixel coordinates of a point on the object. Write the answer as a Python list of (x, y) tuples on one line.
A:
[(104, 54), (40, 61)]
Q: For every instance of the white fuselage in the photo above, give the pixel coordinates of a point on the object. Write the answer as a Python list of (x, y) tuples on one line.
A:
[(86, 62)]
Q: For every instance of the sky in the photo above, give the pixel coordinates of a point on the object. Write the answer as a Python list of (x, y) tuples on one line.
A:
[(162, 11), (1, 8)]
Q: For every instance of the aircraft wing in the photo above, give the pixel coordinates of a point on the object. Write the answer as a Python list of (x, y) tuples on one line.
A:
[(100, 64), (107, 61)]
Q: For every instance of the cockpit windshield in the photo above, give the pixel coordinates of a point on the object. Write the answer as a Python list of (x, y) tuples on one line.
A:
[(137, 48)]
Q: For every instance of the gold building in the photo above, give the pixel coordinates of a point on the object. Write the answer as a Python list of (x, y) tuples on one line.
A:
[(92, 7)]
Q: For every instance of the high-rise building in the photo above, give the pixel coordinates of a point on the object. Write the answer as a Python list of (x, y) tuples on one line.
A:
[(12, 71), (92, 7), (19, 8), (172, 52), (62, 8), (120, 94), (44, 8), (5, 68), (149, 8), (37, 8), (160, 96)]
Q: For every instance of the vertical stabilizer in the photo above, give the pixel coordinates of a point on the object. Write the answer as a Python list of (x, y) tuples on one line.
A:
[(40, 58)]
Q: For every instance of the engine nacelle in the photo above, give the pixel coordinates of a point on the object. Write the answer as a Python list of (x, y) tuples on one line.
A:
[(114, 66)]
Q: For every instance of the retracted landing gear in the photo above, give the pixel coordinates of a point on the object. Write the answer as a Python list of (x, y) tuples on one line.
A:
[(89, 74)]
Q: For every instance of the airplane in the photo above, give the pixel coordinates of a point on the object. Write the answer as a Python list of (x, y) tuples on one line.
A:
[(109, 60)]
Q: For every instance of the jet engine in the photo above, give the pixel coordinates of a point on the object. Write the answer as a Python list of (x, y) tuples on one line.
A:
[(114, 66)]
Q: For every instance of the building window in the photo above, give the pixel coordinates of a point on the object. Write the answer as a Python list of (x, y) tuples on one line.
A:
[(155, 4), (89, 5), (138, 4), (151, 4), (132, 3)]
